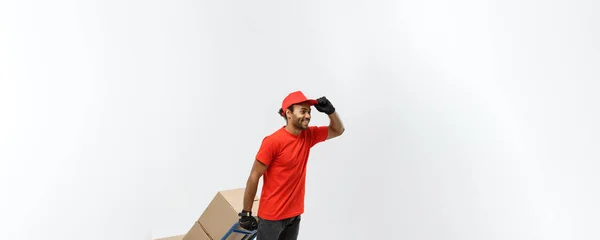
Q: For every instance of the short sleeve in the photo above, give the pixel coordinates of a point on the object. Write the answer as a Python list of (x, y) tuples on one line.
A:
[(318, 134), (267, 151)]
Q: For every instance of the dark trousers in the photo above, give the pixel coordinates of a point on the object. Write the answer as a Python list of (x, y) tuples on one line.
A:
[(285, 229)]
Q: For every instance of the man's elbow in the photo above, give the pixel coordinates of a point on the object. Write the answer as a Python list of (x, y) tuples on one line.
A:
[(339, 132), (254, 177), (258, 169)]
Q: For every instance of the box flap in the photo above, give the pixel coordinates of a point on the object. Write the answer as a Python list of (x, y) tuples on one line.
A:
[(235, 197)]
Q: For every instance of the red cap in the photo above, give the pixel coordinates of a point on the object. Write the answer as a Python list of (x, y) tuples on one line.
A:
[(293, 98)]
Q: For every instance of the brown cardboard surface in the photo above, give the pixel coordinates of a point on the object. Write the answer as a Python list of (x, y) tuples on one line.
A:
[(196, 233), (222, 213), (178, 237)]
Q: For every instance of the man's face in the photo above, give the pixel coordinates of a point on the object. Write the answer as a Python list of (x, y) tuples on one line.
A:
[(301, 116)]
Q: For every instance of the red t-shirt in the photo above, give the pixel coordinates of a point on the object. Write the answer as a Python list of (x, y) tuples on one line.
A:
[(286, 156)]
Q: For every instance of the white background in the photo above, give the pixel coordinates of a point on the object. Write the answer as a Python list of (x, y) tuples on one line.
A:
[(465, 120)]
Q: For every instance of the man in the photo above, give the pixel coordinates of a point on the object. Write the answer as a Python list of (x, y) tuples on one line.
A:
[(281, 161)]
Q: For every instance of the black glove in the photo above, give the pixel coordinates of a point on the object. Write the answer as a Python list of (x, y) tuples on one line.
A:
[(323, 105), (247, 221)]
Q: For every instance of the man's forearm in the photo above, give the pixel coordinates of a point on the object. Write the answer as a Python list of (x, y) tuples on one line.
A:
[(250, 193), (335, 123)]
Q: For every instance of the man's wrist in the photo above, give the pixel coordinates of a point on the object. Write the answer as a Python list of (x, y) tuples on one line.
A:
[(245, 213)]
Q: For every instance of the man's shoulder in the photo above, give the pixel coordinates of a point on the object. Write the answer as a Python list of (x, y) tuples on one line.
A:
[(317, 134), (315, 129), (276, 133), (274, 136)]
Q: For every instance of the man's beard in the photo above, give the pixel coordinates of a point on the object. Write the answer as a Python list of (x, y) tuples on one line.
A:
[(298, 124)]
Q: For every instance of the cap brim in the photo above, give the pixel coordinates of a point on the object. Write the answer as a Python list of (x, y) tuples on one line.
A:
[(312, 102)]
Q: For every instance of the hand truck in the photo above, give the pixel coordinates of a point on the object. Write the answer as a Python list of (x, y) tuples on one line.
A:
[(249, 235)]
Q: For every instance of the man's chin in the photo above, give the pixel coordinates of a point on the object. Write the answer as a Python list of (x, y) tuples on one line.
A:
[(302, 125)]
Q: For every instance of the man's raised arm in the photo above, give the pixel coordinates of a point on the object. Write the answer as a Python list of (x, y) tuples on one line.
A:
[(336, 127)]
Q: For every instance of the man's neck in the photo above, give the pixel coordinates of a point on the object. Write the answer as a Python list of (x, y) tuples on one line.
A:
[(291, 129)]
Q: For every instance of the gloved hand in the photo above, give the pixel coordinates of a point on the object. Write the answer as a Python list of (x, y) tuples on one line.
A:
[(324, 105), (247, 221)]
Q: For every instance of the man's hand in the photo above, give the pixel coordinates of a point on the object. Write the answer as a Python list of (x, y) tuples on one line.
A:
[(324, 105), (247, 221)]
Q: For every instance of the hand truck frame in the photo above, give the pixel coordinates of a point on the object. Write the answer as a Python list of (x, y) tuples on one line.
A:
[(235, 228)]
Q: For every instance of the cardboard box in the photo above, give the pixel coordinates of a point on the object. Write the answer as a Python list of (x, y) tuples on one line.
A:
[(222, 213), (178, 237), (196, 233)]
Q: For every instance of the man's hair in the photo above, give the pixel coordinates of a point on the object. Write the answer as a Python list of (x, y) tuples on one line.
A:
[(282, 112)]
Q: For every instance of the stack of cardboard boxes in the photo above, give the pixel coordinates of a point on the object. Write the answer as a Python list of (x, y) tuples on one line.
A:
[(218, 217)]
